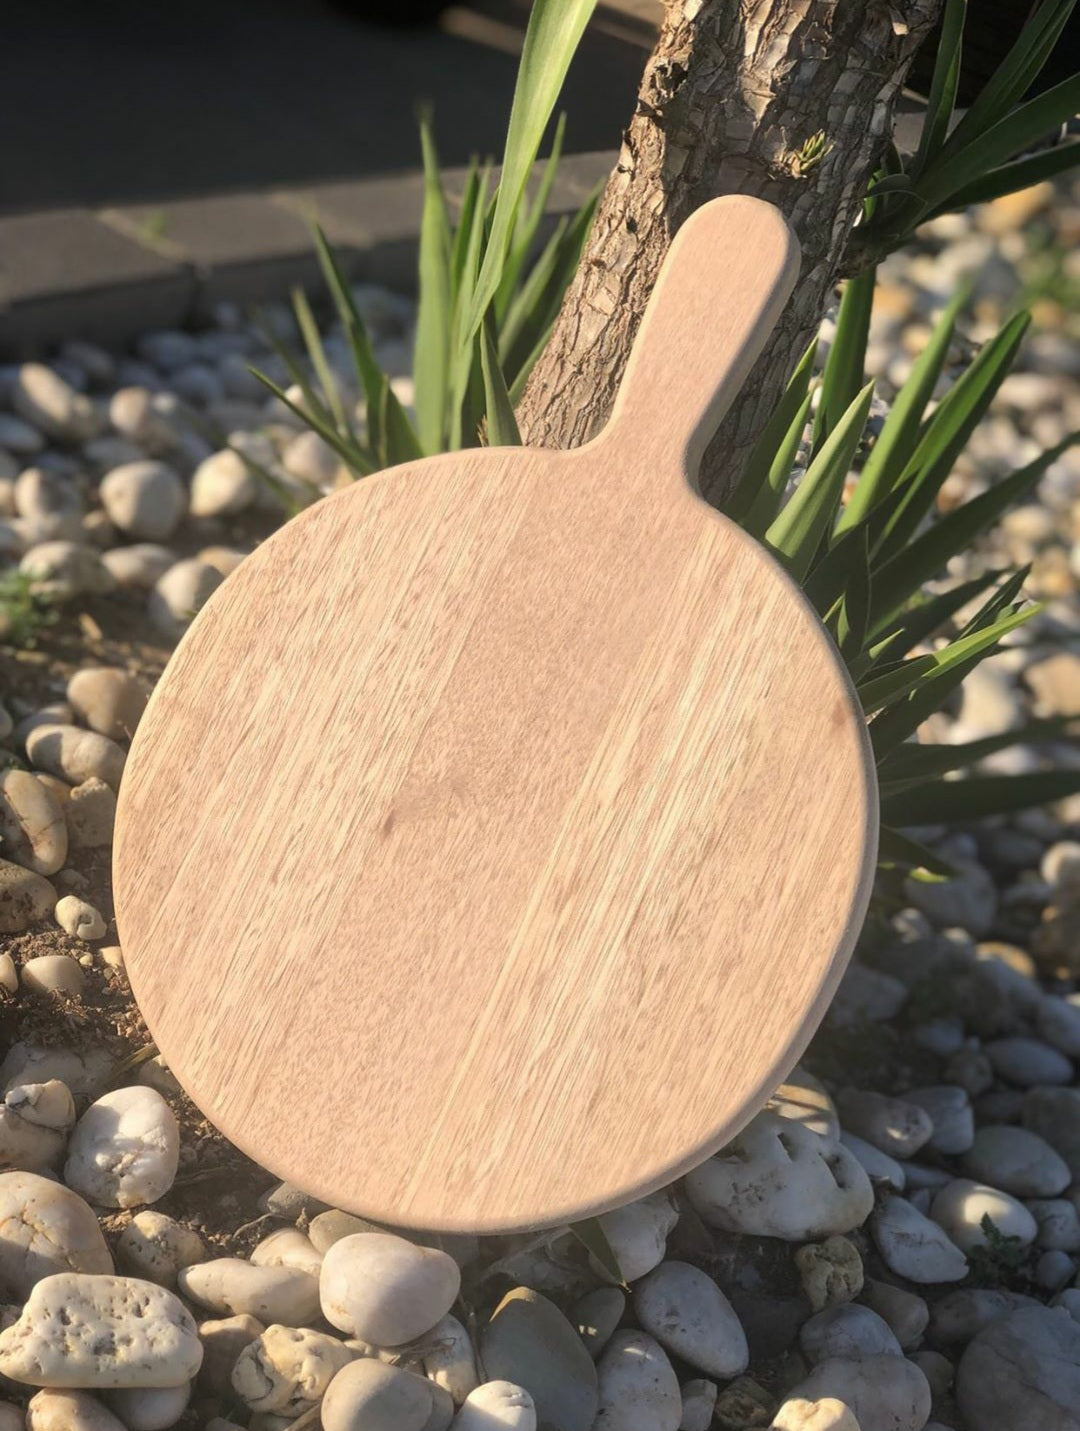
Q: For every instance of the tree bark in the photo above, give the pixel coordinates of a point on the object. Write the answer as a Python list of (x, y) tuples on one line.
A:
[(730, 102)]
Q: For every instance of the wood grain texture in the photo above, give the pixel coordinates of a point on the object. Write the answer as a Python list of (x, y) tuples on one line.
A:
[(499, 831)]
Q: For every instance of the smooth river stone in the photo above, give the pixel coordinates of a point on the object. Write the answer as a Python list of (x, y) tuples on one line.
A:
[(1017, 1161), (497, 1406), (914, 1247), (145, 499), (529, 1342), (850, 1331), (27, 1141), (33, 831), (684, 1309), (778, 1179), (637, 1235), (64, 570), (125, 1149), (25, 898), (75, 755), (108, 699), (231, 1286), (960, 1207), (1054, 1114), (386, 1290), (639, 1390), (94, 1331), (156, 1247), (45, 1228), (451, 1360), (69, 1411), (1021, 1373), (895, 1126), (822, 1414), (288, 1247), (885, 1393), (150, 1408), (368, 1395)]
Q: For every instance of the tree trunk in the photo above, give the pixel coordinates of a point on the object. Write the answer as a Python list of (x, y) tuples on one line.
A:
[(732, 100)]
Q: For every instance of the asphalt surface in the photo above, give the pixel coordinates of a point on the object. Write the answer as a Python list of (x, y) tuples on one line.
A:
[(129, 100)]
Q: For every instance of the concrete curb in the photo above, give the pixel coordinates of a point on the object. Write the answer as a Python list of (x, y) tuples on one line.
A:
[(109, 274)]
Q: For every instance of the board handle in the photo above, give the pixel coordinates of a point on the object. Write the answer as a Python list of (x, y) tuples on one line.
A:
[(719, 293)]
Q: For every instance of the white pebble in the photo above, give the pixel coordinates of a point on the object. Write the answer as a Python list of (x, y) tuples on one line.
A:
[(639, 1390), (156, 1247), (108, 699), (368, 1395), (1057, 1023), (139, 566), (960, 1208), (779, 1179), (53, 974), (1028, 1062), (47, 1229), (25, 898), (884, 1393), (34, 1123), (894, 1125), (32, 827), (231, 1286), (64, 570), (497, 1406), (43, 398), (1016, 1160), (288, 1247), (89, 1332), (150, 1408), (90, 814), (75, 755), (69, 1411), (222, 485), (822, 1414), (1059, 1223), (684, 1309), (914, 1247), (698, 1405), (75, 916), (125, 1149), (849, 1331), (878, 1165), (637, 1235), (450, 1361), (144, 499), (182, 592), (384, 1289), (287, 1369), (950, 1112)]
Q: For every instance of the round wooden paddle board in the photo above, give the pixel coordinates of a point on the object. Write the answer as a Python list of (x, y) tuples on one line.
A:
[(499, 831)]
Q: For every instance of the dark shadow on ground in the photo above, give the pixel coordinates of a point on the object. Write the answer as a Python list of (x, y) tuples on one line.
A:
[(128, 100)]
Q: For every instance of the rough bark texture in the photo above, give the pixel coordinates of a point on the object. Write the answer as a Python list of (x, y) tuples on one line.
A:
[(731, 94)]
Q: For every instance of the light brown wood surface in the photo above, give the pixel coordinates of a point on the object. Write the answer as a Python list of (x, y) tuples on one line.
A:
[(499, 831)]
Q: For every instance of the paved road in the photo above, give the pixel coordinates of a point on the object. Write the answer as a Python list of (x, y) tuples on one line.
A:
[(128, 100)]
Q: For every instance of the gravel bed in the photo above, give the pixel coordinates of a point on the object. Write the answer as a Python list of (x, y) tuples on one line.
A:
[(893, 1245)]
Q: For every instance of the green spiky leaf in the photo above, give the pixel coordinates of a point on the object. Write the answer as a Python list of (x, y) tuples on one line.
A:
[(797, 532), (952, 802)]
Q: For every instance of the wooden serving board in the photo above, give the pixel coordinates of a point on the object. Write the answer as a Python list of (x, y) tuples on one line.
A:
[(499, 831)]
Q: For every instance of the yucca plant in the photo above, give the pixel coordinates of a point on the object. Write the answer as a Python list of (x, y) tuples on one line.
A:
[(863, 552), (488, 289), (984, 153)]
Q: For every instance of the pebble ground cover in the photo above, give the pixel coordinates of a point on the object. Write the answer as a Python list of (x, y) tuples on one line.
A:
[(893, 1245)]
